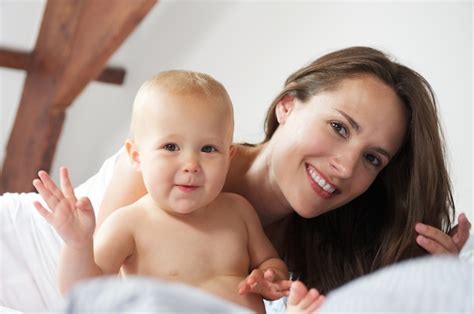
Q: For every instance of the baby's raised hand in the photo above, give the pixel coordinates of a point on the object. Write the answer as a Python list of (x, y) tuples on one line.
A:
[(73, 219), (266, 284)]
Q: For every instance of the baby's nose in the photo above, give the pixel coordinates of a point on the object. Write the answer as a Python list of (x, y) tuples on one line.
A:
[(191, 165)]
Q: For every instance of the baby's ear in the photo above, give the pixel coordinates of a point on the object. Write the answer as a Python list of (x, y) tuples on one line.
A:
[(284, 108), (133, 154)]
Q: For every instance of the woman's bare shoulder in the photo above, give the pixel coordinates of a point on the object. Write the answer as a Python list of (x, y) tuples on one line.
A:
[(244, 156), (241, 162)]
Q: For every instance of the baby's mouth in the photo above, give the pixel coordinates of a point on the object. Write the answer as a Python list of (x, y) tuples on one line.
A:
[(186, 187)]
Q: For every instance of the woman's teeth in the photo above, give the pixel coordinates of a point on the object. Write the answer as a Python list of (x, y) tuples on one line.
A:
[(320, 181)]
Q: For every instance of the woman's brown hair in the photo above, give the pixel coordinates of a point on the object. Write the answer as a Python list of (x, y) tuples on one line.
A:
[(377, 228)]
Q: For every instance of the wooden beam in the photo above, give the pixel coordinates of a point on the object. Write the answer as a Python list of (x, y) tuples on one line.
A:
[(14, 59), (117, 18), (20, 60), (112, 75), (74, 43)]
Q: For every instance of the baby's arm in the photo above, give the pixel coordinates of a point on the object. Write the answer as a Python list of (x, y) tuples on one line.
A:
[(269, 276), (74, 221), (113, 243), (114, 240)]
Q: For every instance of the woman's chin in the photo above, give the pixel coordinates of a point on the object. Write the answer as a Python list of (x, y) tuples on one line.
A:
[(310, 211)]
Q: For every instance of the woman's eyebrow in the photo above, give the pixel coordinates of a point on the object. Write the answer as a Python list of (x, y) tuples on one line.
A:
[(382, 151), (352, 122)]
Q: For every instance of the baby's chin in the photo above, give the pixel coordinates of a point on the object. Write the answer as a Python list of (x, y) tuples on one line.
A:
[(185, 208), (184, 211)]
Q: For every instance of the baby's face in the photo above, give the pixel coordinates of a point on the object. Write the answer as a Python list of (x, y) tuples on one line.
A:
[(184, 145)]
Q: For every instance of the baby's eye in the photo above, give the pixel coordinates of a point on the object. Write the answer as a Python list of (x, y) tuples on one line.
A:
[(373, 160), (208, 149), (172, 147), (340, 129)]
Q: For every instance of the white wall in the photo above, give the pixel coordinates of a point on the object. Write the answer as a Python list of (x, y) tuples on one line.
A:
[(252, 47)]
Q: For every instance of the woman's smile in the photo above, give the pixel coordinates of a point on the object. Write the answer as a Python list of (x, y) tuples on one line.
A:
[(321, 182)]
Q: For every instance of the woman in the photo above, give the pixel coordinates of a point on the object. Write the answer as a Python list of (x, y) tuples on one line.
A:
[(352, 131)]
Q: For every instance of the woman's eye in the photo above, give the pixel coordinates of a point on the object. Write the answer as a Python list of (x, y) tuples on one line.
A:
[(340, 129), (171, 147), (208, 149), (373, 160)]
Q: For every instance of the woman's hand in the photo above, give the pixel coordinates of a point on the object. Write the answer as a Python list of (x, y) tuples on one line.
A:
[(303, 300), (266, 284), (436, 241), (73, 219)]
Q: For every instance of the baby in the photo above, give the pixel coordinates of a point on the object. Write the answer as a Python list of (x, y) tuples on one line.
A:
[(185, 229)]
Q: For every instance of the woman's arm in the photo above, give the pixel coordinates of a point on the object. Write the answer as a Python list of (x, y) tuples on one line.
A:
[(125, 187)]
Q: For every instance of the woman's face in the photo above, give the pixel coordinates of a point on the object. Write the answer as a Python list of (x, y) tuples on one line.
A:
[(328, 150)]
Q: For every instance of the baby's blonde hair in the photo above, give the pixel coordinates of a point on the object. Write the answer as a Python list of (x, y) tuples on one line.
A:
[(181, 82)]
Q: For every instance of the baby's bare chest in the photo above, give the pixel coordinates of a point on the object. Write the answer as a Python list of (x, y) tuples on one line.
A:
[(191, 251)]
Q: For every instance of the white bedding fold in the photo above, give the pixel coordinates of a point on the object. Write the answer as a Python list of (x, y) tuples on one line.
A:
[(29, 247)]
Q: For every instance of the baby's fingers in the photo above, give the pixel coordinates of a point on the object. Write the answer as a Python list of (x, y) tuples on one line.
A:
[(47, 215), (284, 286), (45, 193), (244, 287), (269, 275), (255, 276), (84, 203), (66, 185), (50, 185), (250, 283)]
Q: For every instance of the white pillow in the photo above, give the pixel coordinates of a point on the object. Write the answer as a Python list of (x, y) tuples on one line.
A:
[(441, 284), (29, 246)]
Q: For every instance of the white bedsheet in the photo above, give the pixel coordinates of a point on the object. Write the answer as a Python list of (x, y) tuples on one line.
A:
[(29, 247)]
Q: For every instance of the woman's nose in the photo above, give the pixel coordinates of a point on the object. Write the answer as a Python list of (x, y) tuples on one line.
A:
[(344, 164)]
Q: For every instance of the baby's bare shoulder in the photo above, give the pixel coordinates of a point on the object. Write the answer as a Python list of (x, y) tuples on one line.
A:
[(236, 203), (127, 215), (233, 199)]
